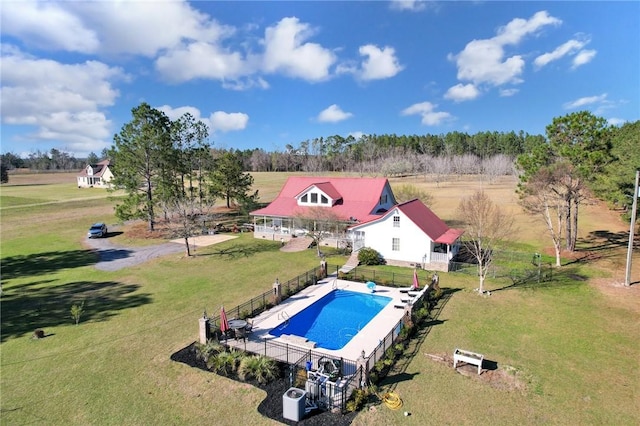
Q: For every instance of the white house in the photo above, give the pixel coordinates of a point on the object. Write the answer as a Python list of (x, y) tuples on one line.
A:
[(409, 234), (95, 175), (405, 234)]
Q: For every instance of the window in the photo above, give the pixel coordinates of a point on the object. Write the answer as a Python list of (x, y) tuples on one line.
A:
[(314, 198), (395, 244), (323, 199), (304, 198), (383, 199), (396, 221)]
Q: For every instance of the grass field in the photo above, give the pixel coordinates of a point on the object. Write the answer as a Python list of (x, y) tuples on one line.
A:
[(571, 344)]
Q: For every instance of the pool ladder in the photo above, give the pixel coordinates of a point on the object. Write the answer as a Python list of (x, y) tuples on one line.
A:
[(284, 316)]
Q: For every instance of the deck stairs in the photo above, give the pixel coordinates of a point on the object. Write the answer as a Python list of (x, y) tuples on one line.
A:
[(352, 262)]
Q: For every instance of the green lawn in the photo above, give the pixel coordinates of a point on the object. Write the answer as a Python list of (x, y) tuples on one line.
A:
[(574, 349)]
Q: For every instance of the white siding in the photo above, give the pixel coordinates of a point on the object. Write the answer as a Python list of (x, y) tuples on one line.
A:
[(415, 245)]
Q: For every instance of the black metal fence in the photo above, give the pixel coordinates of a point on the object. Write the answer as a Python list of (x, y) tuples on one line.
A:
[(512, 266), (385, 278), (327, 394), (266, 300)]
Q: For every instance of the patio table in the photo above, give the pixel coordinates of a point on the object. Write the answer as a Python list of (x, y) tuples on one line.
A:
[(238, 326)]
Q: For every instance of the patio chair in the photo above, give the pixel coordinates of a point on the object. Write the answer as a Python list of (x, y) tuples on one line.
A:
[(249, 327)]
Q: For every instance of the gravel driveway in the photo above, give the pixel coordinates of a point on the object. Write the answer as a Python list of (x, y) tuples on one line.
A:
[(113, 257)]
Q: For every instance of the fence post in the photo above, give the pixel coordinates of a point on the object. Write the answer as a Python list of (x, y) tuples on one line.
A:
[(277, 292), (205, 331)]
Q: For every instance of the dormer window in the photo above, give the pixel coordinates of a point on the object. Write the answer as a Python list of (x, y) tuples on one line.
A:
[(89, 170), (383, 199), (320, 194)]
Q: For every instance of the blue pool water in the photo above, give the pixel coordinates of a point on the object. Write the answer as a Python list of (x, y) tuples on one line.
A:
[(333, 320)]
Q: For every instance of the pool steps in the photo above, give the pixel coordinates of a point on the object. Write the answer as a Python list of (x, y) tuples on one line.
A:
[(298, 340)]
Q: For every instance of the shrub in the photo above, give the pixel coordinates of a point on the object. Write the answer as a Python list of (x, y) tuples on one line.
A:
[(358, 398), (421, 313), (259, 367), (435, 294), (207, 350), (76, 311), (226, 363), (369, 256)]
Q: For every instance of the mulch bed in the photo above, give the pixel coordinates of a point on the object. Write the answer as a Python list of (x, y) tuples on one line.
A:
[(271, 407)]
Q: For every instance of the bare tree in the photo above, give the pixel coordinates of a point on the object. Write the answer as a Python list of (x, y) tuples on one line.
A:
[(497, 165), (186, 217), (441, 166), (486, 227), (543, 195), (319, 222)]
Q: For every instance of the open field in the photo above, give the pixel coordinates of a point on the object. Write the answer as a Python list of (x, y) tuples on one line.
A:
[(572, 343)]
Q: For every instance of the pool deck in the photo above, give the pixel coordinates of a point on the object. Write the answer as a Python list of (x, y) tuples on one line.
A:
[(367, 339)]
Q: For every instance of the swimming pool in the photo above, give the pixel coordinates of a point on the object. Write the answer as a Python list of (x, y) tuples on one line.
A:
[(334, 319)]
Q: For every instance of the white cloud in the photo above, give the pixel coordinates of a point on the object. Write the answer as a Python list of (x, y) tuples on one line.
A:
[(228, 121), (583, 57), (588, 100), (462, 92), (574, 47), (379, 63), (518, 28), (568, 48), (175, 113), (287, 52), (483, 61), (426, 110), (333, 114), (411, 5), (616, 121), (508, 92), (145, 28), (357, 135), (200, 60), (47, 26), (64, 102)]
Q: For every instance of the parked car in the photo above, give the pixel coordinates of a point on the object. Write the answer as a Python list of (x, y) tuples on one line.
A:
[(97, 230)]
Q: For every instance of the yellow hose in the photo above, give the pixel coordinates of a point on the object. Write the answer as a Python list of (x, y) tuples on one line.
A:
[(392, 400)]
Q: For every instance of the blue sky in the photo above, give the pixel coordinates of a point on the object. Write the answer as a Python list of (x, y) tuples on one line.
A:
[(271, 73)]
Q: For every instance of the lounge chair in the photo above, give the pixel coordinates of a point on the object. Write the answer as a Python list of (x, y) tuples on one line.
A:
[(249, 327)]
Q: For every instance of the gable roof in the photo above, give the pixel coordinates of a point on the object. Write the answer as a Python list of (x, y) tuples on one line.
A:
[(426, 220), (359, 197), (98, 169), (325, 187)]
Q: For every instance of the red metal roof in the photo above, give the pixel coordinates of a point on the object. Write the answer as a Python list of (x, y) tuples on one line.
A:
[(427, 221), (359, 197)]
